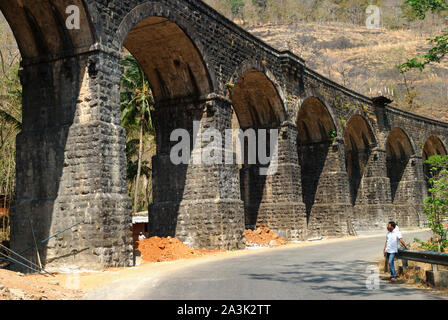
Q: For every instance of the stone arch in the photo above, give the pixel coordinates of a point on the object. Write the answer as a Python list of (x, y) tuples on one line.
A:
[(318, 116), (258, 105), (40, 30), (164, 45), (257, 98), (172, 63), (316, 131), (399, 149), (359, 140), (433, 145), (193, 62)]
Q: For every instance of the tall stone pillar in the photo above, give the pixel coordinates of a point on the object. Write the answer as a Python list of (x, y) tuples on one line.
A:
[(274, 200), (373, 207), (198, 202), (327, 189), (71, 164), (409, 195)]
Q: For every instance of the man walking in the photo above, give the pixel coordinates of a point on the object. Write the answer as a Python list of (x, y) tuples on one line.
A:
[(393, 235)]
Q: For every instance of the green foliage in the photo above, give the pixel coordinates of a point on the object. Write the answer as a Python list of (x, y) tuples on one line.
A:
[(235, 6), (439, 43), (436, 204), (333, 134), (260, 3), (136, 97), (421, 7), (230, 85), (10, 118), (136, 105)]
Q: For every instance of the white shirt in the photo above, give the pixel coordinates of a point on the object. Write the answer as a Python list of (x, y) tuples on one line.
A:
[(141, 237), (392, 239)]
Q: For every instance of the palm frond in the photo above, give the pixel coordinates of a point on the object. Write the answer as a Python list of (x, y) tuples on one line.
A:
[(8, 118)]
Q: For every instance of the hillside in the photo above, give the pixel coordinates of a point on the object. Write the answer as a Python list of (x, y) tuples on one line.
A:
[(364, 60)]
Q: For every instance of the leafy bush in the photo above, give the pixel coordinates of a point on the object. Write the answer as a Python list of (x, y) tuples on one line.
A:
[(436, 204)]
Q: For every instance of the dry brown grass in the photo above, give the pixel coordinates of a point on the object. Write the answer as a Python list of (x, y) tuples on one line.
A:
[(363, 59)]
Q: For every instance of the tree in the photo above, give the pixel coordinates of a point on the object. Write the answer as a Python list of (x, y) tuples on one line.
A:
[(136, 104), (10, 120), (436, 204), (235, 6), (439, 43)]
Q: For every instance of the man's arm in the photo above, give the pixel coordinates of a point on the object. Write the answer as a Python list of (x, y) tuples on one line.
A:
[(384, 250), (404, 244)]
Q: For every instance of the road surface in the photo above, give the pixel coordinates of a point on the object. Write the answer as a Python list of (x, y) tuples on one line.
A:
[(326, 271)]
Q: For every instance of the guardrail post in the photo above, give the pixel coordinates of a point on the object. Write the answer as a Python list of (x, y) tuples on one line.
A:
[(404, 262), (435, 268)]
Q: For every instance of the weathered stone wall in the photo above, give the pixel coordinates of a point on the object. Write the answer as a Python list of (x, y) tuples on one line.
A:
[(71, 164), (70, 155), (198, 203)]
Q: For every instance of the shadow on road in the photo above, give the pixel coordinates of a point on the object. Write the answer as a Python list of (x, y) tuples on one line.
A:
[(341, 279)]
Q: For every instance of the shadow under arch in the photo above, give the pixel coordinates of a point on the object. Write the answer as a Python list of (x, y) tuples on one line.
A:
[(180, 83), (316, 131), (155, 12), (40, 27), (257, 105), (399, 149), (359, 140)]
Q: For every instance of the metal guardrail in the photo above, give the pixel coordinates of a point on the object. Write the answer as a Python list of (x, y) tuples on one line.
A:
[(435, 258)]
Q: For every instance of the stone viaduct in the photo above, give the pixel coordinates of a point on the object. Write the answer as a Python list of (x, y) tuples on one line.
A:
[(346, 162)]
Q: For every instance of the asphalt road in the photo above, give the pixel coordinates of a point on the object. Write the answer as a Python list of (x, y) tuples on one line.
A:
[(325, 271)]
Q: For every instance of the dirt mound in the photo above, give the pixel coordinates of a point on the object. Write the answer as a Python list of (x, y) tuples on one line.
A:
[(17, 286), (157, 249), (263, 236)]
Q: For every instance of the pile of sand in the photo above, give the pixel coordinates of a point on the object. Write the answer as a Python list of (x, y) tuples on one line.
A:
[(263, 236), (157, 249), (17, 286)]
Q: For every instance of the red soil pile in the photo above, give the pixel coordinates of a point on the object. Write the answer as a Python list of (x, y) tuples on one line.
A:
[(263, 236), (157, 249)]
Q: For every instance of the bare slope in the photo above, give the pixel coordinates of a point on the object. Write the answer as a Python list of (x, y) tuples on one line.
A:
[(365, 60)]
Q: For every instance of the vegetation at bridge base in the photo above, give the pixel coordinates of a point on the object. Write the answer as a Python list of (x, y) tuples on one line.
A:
[(136, 105), (436, 204), (10, 121)]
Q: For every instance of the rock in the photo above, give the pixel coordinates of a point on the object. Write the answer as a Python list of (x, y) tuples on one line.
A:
[(55, 283), (2, 287), (17, 293)]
